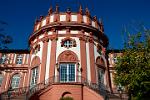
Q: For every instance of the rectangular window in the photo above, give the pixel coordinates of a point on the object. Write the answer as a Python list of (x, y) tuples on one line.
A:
[(1, 79), (67, 72), (62, 17), (3, 59), (101, 75), (19, 59), (73, 17), (85, 19), (34, 76), (52, 18)]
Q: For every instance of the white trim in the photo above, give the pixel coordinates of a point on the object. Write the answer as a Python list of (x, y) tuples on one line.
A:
[(50, 33), (24, 79), (41, 36), (52, 18), (62, 32), (14, 58), (27, 57), (43, 22), (85, 19), (73, 17), (6, 80), (74, 32), (93, 24), (62, 17), (38, 26), (48, 60), (24, 57), (40, 55), (88, 62)]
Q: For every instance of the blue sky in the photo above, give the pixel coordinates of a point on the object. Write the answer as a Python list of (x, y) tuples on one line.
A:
[(21, 14)]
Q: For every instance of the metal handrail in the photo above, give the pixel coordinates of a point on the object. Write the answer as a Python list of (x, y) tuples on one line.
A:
[(30, 90)]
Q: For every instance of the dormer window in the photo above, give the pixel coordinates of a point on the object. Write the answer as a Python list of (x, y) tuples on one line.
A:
[(68, 43), (19, 59)]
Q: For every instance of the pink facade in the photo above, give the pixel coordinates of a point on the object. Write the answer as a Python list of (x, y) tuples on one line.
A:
[(66, 58)]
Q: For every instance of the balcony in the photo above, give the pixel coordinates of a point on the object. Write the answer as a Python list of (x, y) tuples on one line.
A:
[(26, 92)]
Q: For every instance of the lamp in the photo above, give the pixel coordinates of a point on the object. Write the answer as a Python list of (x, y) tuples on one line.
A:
[(79, 67), (57, 66), (120, 90)]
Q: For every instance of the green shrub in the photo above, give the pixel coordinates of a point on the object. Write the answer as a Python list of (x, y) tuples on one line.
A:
[(66, 98)]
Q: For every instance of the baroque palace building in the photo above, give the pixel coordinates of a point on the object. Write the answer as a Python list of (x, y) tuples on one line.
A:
[(67, 58)]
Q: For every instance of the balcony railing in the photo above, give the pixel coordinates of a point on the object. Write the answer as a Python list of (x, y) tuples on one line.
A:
[(27, 92)]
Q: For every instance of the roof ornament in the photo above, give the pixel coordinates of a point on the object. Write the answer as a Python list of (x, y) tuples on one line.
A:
[(36, 20), (41, 17), (57, 9), (87, 12), (80, 10), (101, 25), (95, 18), (50, 11)]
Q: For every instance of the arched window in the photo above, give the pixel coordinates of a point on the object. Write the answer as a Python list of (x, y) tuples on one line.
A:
[(67, 66), (15, 81), (1, 79), (101, 73), (34, 76), (100, 69)]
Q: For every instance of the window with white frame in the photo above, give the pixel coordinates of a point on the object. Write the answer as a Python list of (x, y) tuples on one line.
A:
[(73, 17), (101, 75), (62, 17), (68, 43), (19, 59), (3, 59), (34, 76), (115, 59), (15, 81), (1, 79), (67, 72)]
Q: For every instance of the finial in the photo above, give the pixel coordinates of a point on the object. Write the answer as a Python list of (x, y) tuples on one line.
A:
[(101, 21), (80, 10), (101, 25), (87, 12), (36, 20), (41, 17), (95, 18), (57, 9), (50, 11)]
